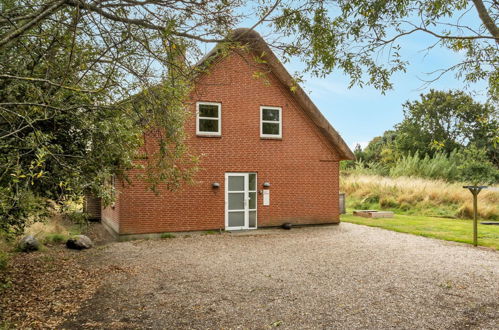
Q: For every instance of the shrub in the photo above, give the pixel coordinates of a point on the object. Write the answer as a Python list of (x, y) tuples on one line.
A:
[(77, 217), (16, 213), (475, 168), (55, 238), (440, 166), (4, 258), (167, 235)]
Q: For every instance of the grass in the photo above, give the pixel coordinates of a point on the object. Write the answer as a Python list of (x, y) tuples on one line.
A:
[(456, 230), (210, 232), (167, 235), (54, 230), (55, 238), (416, 196)]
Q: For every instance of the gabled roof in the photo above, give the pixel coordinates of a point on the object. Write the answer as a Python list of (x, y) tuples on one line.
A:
[(259, 46)]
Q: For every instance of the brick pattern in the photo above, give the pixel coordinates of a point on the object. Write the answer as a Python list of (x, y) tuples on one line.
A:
[(110, 215), (302, 167)]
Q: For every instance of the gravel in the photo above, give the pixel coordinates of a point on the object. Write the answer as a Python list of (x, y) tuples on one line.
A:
[(343, 276)]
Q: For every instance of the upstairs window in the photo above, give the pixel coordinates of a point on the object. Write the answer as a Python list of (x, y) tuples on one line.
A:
[(208, 118), (271, 122)]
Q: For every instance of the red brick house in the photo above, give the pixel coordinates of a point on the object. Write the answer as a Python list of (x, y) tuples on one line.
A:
[(267, 155)]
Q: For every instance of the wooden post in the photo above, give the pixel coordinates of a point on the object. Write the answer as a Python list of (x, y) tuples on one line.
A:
[(475, 216), (475, 190)]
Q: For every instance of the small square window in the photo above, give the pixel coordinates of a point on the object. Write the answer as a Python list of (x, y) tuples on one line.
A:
[(208, 118), (271, 122)]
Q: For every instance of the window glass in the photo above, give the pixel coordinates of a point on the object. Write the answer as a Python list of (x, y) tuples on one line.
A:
[(236, 183), (208, 110), (252, 182), (236, 219), (270, 128), (236, 201), (252, 200), (208, 125), (270, 114)]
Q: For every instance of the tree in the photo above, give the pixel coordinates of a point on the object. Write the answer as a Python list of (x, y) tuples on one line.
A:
[(72, 113), (362, 37), (476, 168), (446, 121), (381, 149)]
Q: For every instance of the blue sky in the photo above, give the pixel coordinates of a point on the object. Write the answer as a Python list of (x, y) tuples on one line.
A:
[(361, 114)]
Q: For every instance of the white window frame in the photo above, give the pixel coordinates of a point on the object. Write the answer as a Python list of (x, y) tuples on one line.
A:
[(270, 136), (219, 118)]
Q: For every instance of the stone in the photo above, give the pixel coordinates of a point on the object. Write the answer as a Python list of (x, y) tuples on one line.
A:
[(29, 243), (287, 225), (79, 242)]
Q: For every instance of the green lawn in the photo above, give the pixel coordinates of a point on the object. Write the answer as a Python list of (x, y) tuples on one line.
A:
[(441, 228)]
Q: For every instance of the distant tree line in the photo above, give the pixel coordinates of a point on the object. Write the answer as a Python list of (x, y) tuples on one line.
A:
[(445, 135)]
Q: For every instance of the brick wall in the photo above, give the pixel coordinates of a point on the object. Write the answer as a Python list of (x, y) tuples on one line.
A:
[(302, 167), (110, 215)]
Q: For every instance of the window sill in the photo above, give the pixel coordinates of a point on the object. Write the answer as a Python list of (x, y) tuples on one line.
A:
[(209, 135), (270, 137)]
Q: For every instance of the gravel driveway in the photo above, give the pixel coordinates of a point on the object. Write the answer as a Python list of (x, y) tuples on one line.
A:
[(344, 276)]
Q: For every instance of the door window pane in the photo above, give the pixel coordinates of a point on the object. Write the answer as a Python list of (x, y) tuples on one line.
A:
[(208, 125), (270, 128), (236, 219), (270, 114), (208, 110), (236, 201), (236, 183), (252, 201), (252, 219), (252, 182)]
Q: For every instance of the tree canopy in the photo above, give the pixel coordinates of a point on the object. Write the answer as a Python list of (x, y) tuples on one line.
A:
[(445, 121), (445, 134)]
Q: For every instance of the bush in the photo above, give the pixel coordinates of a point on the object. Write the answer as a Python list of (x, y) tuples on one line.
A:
[(475, 168), (362, 167), (16, 213), (77, 217), (440, 166), (55, 238), (4, 258)]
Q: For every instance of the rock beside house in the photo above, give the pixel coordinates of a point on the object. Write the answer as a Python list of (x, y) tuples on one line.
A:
[(29, 243), (79, 242)]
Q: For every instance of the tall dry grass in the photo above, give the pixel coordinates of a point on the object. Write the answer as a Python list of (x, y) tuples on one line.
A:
[(413, 195)]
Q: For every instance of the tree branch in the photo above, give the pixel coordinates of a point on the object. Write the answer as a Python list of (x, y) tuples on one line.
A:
[(134, 21), (8, 76), (19, 31), (486, 19)]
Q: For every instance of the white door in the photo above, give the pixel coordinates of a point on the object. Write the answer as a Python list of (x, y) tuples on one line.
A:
[(240, 201)]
